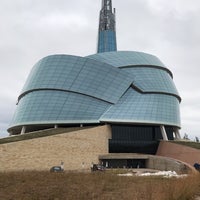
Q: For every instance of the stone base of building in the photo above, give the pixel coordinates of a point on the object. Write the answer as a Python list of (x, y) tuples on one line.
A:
[(79, 149)]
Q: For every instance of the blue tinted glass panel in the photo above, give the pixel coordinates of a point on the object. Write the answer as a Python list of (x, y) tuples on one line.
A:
[(79, 75), (107, 41), (152, 80), (44, 107), (127, 58), (134, 107)]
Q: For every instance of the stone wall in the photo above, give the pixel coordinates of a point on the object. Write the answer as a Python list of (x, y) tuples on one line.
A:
[(77, 149), (180, 152)]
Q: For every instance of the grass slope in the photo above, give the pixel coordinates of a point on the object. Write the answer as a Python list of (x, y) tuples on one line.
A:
[(37, 134), (188, 143), (97, 186)]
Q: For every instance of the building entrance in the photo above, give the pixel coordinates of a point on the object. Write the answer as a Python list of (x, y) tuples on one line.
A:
[(124, 163)]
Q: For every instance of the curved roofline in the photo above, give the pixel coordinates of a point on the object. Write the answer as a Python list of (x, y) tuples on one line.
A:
[(140, 52), (153, 92), (139, 122), (53, 122), (123, 51), (149, 66), (61, 90), (99, 122), (61, 54)]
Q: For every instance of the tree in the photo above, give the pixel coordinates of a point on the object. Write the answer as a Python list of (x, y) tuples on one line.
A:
[(196, 139), (185, 137)]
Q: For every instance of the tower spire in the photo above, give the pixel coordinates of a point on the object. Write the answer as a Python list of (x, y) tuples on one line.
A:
[(107, 28)]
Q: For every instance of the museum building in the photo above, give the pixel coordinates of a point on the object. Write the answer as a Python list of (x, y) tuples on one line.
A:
[(132, 92)]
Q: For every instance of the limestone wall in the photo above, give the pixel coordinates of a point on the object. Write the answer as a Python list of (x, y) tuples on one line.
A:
[(76, 149)]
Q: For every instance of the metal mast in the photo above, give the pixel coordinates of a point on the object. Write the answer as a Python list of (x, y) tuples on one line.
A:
[(107, 28)]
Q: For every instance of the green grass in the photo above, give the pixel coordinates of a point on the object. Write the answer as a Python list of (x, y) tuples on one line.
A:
[(192, 144), (37, 134), (97, 186)]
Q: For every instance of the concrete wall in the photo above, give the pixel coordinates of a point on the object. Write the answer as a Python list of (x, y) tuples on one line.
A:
[(180, 152), (167, 164), (76, 149)]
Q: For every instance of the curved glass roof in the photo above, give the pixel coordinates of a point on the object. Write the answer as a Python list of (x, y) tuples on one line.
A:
[(152, 80), (134, 107), (79, 75), (113, 87), (127, 58), (50, 106)]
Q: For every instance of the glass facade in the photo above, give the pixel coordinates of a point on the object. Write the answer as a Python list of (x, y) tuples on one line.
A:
[(107, 41), (63, 89), (80, 75), (127, 58), (135, 107), (60, 107), (152, 80)]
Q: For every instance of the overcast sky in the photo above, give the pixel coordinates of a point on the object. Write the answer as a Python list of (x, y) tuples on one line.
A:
[(33, 29)]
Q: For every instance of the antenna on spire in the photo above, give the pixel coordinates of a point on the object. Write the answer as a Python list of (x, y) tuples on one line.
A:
[(107, 28)]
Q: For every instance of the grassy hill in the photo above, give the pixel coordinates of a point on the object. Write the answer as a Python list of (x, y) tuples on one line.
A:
[(94, 186), (188, 143), (37, 134)]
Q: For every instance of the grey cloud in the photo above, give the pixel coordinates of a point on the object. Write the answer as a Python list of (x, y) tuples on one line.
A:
[(31, 30)]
